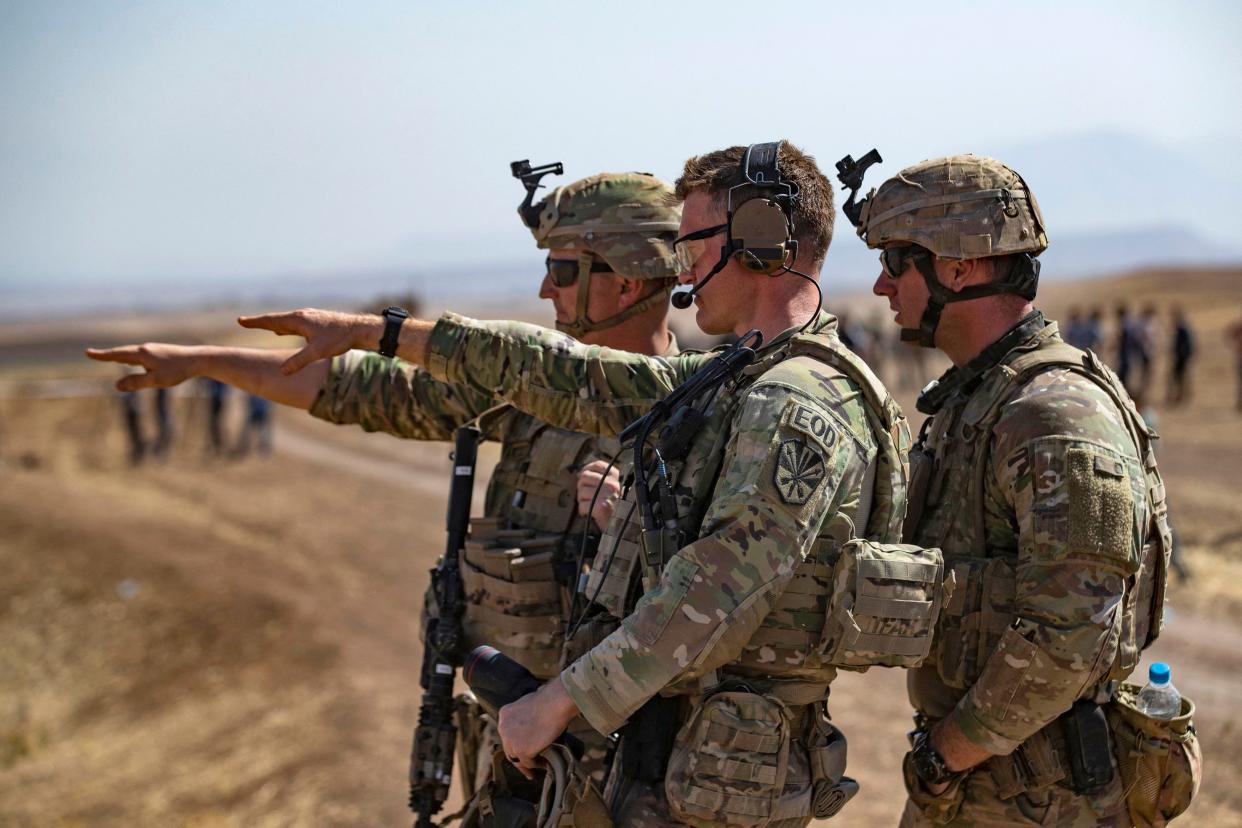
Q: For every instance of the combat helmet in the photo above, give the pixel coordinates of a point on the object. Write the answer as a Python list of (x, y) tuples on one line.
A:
[(627, 221), (957, 207)]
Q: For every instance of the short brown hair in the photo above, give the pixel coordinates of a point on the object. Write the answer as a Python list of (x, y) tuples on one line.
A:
[(813, 215)]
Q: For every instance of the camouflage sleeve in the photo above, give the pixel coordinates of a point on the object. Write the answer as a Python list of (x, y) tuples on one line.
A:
[(552, 376), (1067, 472), (382, 394), (788, 465)]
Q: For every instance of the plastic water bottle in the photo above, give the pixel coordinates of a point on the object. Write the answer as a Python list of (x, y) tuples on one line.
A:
[(1159, 698)]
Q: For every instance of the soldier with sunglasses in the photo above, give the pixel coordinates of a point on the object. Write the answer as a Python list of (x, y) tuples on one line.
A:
[(1036, 477), (609, 270)]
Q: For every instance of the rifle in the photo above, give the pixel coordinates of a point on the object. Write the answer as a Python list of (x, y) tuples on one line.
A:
[(435, 737)]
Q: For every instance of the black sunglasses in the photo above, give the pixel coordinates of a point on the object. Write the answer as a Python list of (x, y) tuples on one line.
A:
[(696, 235), (893, 259), (564, 272)]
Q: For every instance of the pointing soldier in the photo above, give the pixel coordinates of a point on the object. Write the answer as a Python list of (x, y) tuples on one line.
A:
[(1036, 477), (609, 270), (718, 564)]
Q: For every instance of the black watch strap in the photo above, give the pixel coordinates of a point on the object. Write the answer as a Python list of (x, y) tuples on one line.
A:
[(394, 317), (929, 765)]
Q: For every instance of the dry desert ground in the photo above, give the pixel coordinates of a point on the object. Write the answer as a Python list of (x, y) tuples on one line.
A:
[(206, 642)]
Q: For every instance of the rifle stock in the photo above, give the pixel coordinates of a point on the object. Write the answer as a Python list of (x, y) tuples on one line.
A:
[(435, 736)]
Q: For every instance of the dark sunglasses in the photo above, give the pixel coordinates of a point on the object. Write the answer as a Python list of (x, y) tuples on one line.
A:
[(564, 272), (893, 259)]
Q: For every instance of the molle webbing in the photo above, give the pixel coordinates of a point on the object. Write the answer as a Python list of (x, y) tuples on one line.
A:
[(983, 411), (889, 428)]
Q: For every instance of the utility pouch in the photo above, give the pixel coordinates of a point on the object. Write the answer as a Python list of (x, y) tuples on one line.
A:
[(730, 761), (830, 787), (1160, 762), (886, 598), (1088, 746)]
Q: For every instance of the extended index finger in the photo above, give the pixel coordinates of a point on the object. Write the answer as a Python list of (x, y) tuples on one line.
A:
[(127, 354), (284, 323)]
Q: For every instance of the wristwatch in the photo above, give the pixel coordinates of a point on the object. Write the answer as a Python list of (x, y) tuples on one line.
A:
[(393, 319), (929, 765)]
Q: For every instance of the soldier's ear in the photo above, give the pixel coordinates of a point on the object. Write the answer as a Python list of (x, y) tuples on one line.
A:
[(629, 291), (957, 274)]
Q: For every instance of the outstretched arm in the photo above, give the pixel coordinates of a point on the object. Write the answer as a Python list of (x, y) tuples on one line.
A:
[(254, 370), (329, 333)]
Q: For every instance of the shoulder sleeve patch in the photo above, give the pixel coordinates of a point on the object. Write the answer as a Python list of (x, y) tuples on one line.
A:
[(808, 438), (800, 468)]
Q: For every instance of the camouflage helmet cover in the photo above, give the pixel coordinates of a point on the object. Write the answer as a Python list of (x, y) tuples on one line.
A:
[(958, 207), (627, 219)]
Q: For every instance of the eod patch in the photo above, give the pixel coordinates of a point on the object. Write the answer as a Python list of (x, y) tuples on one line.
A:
[(799, 471), (801, 463)]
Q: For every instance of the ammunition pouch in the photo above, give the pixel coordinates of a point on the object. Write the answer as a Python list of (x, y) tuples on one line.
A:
[(886, 598), (1160, 762), (745, 759), (514, 600)]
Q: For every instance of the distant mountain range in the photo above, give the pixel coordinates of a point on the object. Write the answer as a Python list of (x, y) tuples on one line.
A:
[(1112, 202)]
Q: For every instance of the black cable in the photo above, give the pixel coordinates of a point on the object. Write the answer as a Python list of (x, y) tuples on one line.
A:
[(603, 574), (818, 292)]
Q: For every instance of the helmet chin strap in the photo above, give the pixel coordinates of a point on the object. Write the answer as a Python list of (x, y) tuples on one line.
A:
[(583, 324), (1021, 280)]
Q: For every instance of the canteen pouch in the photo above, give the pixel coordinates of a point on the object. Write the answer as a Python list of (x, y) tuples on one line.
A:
[(729, 761), (885, 601), (1161, 763)]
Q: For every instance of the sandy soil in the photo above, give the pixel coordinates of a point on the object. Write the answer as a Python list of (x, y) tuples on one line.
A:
[(218, 643)]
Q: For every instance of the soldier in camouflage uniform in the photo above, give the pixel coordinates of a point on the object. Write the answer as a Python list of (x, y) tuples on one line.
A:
[(1036, 477), (723, 641), (609, 272)]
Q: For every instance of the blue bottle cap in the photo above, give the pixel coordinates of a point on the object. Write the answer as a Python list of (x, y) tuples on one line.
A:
[(1159, 673)]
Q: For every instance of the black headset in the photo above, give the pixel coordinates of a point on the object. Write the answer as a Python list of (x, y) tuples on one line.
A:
[(759, 225)]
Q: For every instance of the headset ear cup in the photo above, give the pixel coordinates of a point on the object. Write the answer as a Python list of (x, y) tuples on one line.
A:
[(759, 236)]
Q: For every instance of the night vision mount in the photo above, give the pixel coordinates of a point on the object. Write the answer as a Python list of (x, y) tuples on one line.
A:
[(850, 173), (530, 177)]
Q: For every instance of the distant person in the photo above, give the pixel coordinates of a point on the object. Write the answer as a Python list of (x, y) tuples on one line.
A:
[(1076, 328), (1093, 330), (1124, 345), (1144, 339), (163, 425), (258, 426), (1182, 351), (133, 427), (1233, 335), (217, 395)]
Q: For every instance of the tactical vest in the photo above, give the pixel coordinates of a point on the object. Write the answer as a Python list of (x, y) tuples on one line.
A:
[(518, 564), (947, 510), (793, 643)]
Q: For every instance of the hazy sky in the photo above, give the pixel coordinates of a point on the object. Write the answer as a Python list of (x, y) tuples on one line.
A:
[(140, 140)]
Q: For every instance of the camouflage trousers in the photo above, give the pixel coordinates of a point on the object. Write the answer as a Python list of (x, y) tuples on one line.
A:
[(973, 802)]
